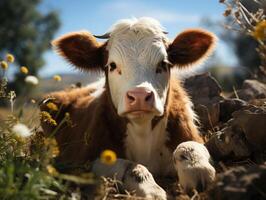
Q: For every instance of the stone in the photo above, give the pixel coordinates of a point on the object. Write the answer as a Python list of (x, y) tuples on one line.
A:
[(240, 183), (251, 89), (228, 106), (205, 93)]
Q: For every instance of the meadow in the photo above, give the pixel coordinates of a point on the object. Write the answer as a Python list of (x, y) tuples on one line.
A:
[(28, 167)]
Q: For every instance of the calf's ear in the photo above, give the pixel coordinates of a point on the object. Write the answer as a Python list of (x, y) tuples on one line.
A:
[(191, 47), (82, 50)]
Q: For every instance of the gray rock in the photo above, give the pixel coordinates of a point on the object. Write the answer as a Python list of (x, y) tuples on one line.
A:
[(205, 93), (240, 183), (228, 106), (241, 136), (251, 89), (228, 144), (253, 125)]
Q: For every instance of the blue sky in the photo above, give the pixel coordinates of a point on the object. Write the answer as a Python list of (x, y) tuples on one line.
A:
[(98, 16)]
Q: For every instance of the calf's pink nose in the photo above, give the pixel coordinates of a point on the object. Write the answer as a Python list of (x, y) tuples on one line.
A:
[(139, 99)]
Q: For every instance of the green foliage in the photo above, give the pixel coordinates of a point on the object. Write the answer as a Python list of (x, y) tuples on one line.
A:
[(22, 176), (27, 156), (26, 32)]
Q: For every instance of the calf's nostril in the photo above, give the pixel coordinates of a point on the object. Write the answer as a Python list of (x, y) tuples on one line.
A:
[(149, 97), (130, 97)]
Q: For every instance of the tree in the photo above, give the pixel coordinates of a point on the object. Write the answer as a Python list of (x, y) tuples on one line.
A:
[(26, 32)]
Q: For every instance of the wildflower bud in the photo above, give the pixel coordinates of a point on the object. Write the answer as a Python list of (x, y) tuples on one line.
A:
[(57, 78), (4, 65), (52, 106), (259, 32), (33, 101), (108, 157), (47, 118), (51, 170), (24, 70), (237, 14), (10, 58), (227, 12)]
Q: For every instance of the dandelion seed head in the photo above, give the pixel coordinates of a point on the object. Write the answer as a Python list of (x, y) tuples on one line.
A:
[(33, 80), (21, 130)]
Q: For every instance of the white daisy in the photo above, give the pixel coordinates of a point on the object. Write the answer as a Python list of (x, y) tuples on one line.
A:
[(21, 130), (33, 80)]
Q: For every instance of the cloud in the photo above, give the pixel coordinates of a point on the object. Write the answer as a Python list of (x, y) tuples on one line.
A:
[(138, 9)]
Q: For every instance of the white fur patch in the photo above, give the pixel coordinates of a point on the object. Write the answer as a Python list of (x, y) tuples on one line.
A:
[(98, 86), (137, 46), (147, 146)]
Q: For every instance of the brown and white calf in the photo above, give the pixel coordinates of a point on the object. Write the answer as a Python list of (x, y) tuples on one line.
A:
[(140, 111)]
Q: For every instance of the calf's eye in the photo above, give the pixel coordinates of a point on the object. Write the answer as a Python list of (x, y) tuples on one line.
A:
[(112, 66), (162, 67), (183, 157)]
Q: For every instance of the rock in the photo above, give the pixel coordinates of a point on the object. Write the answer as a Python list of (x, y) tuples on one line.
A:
[(208, 115), (205, 93), (228, 106), (228, 144), (241, 136), (240, 183), (253, 125), (251, 89), (203, 88)]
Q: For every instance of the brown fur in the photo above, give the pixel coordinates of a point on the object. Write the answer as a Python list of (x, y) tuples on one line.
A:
[(191, 47), (181, 125), (96, 125)]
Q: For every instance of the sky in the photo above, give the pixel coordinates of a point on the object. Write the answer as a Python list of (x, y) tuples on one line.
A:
[(97, 17)]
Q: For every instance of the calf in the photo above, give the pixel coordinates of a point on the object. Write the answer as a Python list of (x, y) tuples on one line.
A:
[(140, 112)]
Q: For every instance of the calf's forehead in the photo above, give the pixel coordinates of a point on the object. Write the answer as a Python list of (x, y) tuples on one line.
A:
[(133, 49), (142, 41)]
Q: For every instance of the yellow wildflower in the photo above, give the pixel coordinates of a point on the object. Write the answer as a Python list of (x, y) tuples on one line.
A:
[(259, 32), (51, 170), (108, 157), (52, 146), (24, 70), (68, 119), (55, 151), (46, 117), (4, 65), (10, 58), (52, 106), (33, 101), (57, 78), (227, 12)]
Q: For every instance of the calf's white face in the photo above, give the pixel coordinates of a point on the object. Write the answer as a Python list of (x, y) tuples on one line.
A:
[(136, 58), (138, 71)]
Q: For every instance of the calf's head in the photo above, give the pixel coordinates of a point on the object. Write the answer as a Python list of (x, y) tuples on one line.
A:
[(137, 59)]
